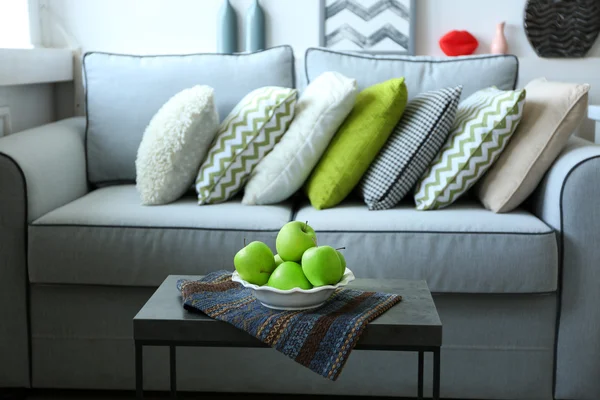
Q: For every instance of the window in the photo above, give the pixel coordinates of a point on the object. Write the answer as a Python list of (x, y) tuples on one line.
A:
[(15, 30)]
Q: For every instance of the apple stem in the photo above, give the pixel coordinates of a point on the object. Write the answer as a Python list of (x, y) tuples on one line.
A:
[(341, 248), (305, 226), (315, 240), (244, 242)]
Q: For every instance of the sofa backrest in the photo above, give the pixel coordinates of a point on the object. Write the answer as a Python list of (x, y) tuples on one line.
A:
[(422, 73), (124, 92)]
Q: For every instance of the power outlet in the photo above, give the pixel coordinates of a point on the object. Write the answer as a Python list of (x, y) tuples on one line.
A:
[(5, 123)]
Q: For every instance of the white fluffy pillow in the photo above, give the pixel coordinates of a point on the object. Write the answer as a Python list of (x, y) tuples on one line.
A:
[(174, 145), (322, 108)]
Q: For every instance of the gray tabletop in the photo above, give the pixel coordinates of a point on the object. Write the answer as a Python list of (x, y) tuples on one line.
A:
[(412, 322)]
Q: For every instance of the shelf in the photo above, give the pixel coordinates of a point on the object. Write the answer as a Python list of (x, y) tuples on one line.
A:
[(33, 66)]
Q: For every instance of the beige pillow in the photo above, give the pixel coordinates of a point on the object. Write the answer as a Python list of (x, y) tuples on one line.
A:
[(553, 110)]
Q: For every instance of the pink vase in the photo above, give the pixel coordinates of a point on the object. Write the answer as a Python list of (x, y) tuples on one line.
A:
[(499, 44)]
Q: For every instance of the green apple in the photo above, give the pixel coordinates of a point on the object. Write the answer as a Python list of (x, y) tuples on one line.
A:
[(278, 260), (293, 240), (255, 263), (288, 275), (342, 260), (322, 265)]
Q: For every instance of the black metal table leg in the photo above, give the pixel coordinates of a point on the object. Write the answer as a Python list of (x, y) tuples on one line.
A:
[(421, 363), (436, 374), (173, 364), (139, 371)]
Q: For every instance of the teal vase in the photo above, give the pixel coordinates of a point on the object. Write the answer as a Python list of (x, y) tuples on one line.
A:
[(255, 28), (227, 29)]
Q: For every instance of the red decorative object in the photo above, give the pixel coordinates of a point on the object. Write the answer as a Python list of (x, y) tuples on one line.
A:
[(458, 43)]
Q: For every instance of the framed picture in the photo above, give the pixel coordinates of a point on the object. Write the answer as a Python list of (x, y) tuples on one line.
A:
[(372, 26)]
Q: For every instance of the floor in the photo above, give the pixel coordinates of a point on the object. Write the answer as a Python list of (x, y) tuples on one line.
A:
[(165, 396), (203, 396), (90, 395), (162, 397)]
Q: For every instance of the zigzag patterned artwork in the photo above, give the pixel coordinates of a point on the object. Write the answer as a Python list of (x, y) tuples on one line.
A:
[(368, 25), (346, 32), (368, 13), (249, 133), (484, 124), (563, 28)]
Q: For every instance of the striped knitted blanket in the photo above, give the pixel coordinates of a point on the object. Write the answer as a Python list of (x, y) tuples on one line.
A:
[(320, 339)]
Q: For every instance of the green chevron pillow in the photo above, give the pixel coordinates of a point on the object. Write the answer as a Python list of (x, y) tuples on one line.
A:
[(248, 134), (484, 124)]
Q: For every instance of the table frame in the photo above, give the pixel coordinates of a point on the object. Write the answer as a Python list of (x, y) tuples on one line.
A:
[(139, 361)]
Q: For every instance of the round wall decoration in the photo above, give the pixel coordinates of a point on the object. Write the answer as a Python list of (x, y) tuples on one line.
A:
[(562, 28)]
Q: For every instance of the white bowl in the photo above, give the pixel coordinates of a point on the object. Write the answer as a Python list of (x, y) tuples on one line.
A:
[(293, 299)]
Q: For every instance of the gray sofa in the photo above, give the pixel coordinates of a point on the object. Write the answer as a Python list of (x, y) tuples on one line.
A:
[(517, 293)]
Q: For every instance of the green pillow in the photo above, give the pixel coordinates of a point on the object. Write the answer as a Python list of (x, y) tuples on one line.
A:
[(356, 144), (484, 124)]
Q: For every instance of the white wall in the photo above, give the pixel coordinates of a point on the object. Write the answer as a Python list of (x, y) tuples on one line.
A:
[(174, 26), (183, 26), (30, 105)]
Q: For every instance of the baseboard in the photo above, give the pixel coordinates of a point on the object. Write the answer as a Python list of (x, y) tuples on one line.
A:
[(44, 394), (13, 394)]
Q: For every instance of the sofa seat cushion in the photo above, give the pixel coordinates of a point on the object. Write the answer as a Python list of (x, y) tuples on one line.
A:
[(108, 238), (462, 249)]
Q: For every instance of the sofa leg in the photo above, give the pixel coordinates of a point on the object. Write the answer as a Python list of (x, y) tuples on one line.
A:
[(12, 394)]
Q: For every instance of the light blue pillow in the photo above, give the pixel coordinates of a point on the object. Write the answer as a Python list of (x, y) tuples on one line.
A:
[(124, 92)]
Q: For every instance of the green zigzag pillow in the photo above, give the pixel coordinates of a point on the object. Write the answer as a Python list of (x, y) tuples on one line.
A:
[(244, 138), (484, 124)]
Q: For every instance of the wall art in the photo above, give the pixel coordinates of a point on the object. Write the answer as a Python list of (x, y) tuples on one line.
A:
[(562, 28), (374, 26)]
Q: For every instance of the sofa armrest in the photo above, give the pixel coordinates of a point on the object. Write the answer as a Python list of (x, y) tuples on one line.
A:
[(51, 160), (40, 169), (568, 199)]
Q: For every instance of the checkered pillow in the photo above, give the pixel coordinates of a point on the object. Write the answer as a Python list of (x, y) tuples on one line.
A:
[(413, 145)]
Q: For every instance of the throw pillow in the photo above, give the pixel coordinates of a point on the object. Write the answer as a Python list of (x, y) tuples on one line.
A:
[(412, 146), (250, 132), (553, 112), (377, 110), (174, 144), (322, 108), (484, 124)]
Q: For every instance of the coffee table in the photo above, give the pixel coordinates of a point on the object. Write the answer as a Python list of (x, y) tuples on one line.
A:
[(411, 325)]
